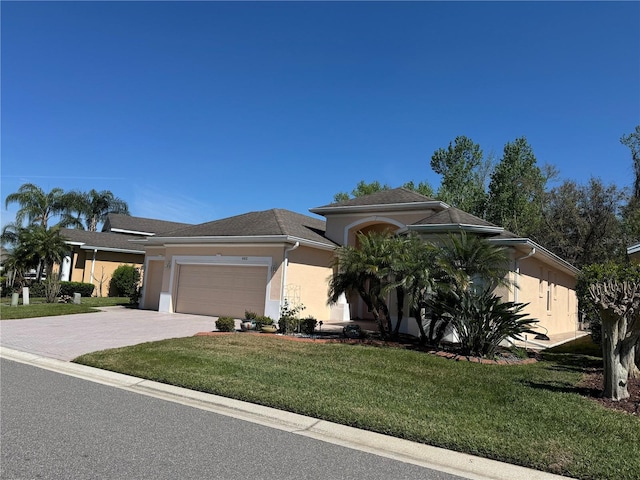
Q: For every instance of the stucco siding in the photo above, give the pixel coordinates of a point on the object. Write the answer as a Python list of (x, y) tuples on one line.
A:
[(307, 277), (550, 295), (337, 223)]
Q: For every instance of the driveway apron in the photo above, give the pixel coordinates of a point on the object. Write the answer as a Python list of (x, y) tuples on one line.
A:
[(65, 337)]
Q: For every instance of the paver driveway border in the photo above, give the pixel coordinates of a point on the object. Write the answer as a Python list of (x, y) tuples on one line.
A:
[(65, 337)]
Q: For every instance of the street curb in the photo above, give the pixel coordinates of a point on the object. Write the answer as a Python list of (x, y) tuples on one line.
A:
[(461, 464)]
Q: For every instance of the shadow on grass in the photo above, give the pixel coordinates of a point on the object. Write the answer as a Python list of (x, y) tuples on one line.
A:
[(564, 388)]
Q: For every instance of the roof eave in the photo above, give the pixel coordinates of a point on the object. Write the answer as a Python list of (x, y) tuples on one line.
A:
[(633, 249), (448, 227), (130, 232), (385, 207), (539, 248), (111, 249), (248, 239)]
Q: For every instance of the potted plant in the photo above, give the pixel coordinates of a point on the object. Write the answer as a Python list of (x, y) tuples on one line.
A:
[(265, 324)]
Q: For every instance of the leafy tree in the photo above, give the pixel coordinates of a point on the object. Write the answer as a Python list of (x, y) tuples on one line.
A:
[(516, 190), (361, 189), (631, 211), (37, 206), (581, 222), (423, 188), (93, 207), (461, 166), (632, 141)]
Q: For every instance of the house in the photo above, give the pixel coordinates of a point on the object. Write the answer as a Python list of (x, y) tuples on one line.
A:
[(94, 256), (633, 253), (259, 260)]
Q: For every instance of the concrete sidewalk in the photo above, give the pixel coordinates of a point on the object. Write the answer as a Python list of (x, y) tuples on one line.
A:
[(65, 337), (460, 464)]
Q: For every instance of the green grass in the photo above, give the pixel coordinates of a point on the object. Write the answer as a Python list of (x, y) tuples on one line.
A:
[(531, 415), (39, 308)]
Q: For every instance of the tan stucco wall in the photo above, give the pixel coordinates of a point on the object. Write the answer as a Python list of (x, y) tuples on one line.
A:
[(558, 312), (153, 284), (105, 265), (336, 223), (308, 275)]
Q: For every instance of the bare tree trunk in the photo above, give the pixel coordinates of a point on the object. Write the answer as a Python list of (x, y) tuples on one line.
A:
[(615, 357), (618, 305)]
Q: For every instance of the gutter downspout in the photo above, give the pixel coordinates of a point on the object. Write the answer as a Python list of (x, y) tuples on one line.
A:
[(517, 260), (285, 264), (93, 263)]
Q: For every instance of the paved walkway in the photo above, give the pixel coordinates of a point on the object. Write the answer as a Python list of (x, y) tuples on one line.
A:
[(67, 336)]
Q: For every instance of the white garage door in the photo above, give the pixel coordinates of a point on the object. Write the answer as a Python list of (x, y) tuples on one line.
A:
[(218, 290)]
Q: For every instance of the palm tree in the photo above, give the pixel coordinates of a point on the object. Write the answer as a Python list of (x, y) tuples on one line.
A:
[(412, 267), (93, 207), (470, 261), (365, 270), (36, 248), (36, 206), (464, 263)]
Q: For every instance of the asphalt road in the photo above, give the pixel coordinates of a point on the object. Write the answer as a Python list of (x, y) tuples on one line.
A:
[(55, 426)]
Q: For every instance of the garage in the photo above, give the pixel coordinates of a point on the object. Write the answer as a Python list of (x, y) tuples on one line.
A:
[(219, 290)]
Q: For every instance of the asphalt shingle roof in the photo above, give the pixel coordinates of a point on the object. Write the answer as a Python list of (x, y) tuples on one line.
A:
[(384, 197), (455, 216), (140, 224), (263, 223), (103, 240)]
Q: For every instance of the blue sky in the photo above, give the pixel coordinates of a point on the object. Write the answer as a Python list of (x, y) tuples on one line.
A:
[(194, 111)]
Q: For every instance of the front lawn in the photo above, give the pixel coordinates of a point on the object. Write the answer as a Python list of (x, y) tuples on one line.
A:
[(532, 415), (39, 308)]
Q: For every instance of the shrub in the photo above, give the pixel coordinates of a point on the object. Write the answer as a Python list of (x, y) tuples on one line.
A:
[(69, 288), (308, 325), (125, 282), (225, 324), (250, 315), (289, 321)]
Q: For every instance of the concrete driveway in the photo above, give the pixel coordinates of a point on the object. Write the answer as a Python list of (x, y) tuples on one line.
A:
[(67, 336)]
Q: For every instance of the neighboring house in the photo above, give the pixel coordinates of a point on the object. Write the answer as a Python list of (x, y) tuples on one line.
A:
[(634, 253), (95, 255), (259, 260)]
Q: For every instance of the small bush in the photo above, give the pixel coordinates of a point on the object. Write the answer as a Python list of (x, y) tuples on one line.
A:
[(248, 315), (84, 289), (225, 324), (288, 325), (308, 325), (125, 282)]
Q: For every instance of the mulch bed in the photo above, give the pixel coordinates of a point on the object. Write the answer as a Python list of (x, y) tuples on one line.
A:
[(593, 386)]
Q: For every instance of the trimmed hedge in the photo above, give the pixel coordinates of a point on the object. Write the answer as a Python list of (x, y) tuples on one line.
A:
[(66, 288), (69, 288)]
